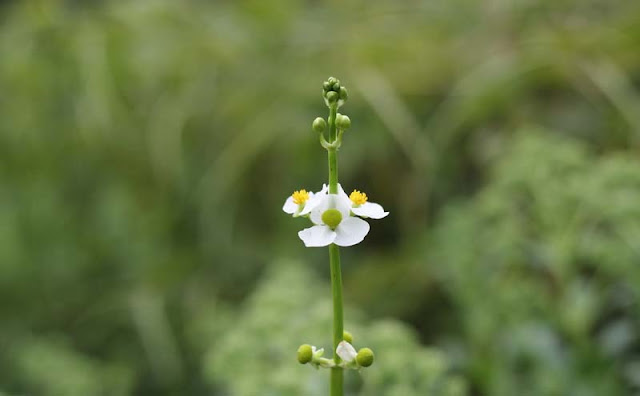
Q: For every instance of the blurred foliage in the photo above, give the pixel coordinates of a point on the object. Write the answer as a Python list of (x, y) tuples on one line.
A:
[(254, 358), (542, 267), (146, 148)]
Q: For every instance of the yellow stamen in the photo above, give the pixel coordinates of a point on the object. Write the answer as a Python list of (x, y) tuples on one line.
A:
[(357, 197), (300, 197)]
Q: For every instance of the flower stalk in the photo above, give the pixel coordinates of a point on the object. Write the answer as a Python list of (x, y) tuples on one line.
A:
[(338, 317), (338, 220), (333, 151), (337, 375)]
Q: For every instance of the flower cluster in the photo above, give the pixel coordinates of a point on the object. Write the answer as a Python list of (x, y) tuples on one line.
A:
[(337, 218), (350, 358)]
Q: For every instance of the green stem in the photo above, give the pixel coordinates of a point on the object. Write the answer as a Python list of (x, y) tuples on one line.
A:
[(337, 376), (333, 155), (338, 326), (333, 171)]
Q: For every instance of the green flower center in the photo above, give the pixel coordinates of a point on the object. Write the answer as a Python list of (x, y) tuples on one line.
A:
[(332, 217)]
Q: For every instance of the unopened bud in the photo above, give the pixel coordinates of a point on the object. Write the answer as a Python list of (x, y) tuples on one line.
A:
[(343, 122), (305, 354), (332, 96), (347, 337), (364, 357), (319, 125), (343, 93)]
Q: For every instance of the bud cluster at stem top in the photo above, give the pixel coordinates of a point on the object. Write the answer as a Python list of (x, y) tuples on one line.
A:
[(333, 92), (334, 95)]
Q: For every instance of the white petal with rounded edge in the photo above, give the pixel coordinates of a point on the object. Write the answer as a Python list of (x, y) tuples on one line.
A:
[(370, 209), (346, 351), (319, 208), (314, 200), (308, 205), (351, 231), (317, 236), (290, 206), (330, 201)]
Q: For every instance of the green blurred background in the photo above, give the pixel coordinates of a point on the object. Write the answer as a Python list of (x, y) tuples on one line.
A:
[(146, 149)]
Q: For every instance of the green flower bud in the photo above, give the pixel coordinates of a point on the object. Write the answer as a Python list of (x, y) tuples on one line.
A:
[(343, 122), (336, 86), (332, 217), (326, 86), (364, 357), (305, 354), (343, 93), (331, 80), (347, 337), (319, 125), (332, 96)]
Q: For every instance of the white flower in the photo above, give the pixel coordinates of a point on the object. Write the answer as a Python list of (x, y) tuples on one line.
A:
[(360, 206), (333, 223), (346, 351), (302, 202)]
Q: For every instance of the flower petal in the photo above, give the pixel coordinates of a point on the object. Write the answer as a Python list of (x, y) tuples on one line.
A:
[(319, 208), (370, 209), (351, 231), (290, 206), (346, 351), (342, 193), (344, 206), (314, 200), (330, 201), (317, 236), (317, 352)]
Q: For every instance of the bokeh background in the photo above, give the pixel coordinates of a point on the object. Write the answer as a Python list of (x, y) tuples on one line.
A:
[(146, 149)]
